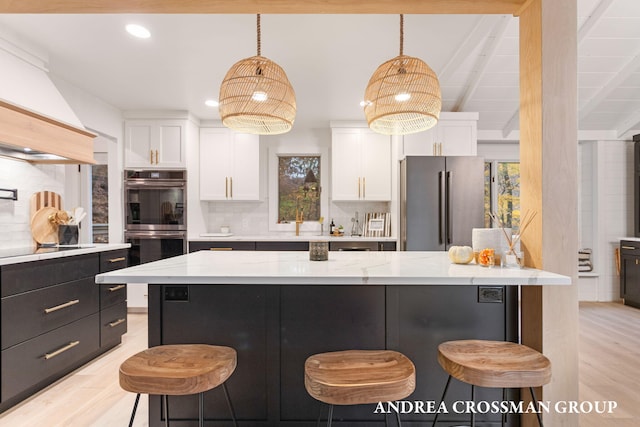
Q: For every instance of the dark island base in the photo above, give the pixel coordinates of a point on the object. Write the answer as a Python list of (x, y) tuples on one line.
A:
[(275, 328)]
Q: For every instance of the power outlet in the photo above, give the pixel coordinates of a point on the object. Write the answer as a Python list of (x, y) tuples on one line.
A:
[(491, 294), (176, 293)]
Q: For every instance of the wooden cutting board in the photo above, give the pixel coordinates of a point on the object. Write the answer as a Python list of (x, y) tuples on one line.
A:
[(42, 230)]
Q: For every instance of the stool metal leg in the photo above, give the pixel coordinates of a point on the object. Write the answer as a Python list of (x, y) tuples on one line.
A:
[(133, 413), (330, 416), (166, 410), (398, 419), (233, 413), (473, 399), (201, 409), (535, 402), (446, 387)]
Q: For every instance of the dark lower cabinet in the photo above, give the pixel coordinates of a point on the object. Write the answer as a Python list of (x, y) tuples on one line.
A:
[(54, 318), (275, 328), (630, 272), (317, 319)]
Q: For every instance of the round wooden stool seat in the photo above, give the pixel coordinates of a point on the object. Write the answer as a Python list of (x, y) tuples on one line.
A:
[(494, 363), (177, 369), (355, 377)]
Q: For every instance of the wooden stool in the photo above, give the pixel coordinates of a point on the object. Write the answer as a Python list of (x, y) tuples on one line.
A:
[(172, 370), (356, 377), (497, 364)]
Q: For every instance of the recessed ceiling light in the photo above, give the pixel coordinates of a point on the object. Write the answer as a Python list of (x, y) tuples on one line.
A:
[(211, 103), (27, 149), (138, 31)]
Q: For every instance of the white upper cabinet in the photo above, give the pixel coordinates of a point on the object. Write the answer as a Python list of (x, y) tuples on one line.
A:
[(229, 165), (154, 144), (360, 165), (456, 134)]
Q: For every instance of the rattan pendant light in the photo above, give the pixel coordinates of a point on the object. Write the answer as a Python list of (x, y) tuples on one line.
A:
[(403, 95), (256, 96)]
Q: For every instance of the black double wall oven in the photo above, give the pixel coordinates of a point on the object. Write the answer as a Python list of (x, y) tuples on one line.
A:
[(155, 214)]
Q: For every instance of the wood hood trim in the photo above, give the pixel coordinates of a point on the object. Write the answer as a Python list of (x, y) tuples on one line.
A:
[(24, 128)]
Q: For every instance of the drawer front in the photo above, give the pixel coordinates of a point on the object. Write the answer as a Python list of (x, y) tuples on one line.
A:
[(353, 246), (27, 276), (234, 246), (282, 246), (29, 314), (114, 260), (113, 324), (387, 246), (112, 294), (629, 247), (47, 357)]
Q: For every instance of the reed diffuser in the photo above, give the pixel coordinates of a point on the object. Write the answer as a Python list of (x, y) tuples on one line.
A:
[(525, 221)]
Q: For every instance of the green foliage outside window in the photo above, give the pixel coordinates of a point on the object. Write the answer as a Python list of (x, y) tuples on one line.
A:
[(507, 188), (298, 187)]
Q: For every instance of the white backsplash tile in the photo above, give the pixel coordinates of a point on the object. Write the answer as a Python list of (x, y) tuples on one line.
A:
[(15, 227), (252, 218)]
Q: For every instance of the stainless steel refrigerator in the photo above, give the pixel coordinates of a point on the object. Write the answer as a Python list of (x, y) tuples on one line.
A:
[(441, 201)]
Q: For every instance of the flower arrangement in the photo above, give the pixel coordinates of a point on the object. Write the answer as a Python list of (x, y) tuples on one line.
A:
[(525, 221)]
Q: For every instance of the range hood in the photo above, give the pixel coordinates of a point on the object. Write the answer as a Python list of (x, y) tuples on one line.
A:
[(36, 122)]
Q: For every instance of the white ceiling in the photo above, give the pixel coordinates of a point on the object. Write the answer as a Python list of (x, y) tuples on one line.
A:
[(329, 59)]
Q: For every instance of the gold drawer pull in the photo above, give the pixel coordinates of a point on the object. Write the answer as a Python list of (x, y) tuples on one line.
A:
[(117, 322), (61, 306), (631, 248), (220, 249), (69, 346), (112, 260), (117, 288)]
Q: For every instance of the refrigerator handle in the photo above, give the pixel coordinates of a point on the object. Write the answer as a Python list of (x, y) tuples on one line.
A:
[(448, 208), (441, 207)]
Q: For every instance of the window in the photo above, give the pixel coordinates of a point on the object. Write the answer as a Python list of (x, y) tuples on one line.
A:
[(296, 180), (100, 203), (502, 193), (298, 188)]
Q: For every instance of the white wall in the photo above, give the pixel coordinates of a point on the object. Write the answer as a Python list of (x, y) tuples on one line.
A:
[(106, 120), (613, 166), (15, 218)]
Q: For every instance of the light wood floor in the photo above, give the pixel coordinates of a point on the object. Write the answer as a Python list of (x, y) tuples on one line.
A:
[(91, 396)]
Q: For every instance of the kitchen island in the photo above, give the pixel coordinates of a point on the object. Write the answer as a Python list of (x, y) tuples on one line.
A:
[(277, 308)]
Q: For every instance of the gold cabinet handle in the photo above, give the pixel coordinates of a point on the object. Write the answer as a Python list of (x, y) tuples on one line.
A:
[(226, 187), (151, 158), (112, 260), (631, 248), (117, 288), (231, 186), (61, 306), (441, 148), (364, 188), (69, 346), (116, 323), (434, 145), (220, 249), (156, 157), (359, 196)]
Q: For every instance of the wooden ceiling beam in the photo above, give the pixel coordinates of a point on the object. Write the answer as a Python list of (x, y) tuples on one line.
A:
[(264, 6)]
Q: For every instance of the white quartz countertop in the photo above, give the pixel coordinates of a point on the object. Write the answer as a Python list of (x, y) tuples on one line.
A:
[(285, 237), (631, 239), (51, 253), (342, 268)]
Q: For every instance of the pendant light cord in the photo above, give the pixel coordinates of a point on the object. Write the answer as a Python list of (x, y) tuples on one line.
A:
[(258, 30), (401, 34)]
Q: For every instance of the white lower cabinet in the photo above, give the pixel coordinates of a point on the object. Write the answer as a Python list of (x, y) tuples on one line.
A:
[(455, 134), (229, 165)]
